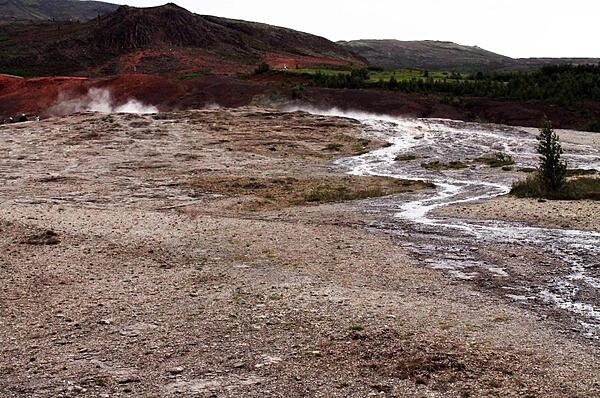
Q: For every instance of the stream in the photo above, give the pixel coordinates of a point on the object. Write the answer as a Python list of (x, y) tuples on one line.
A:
[(568, 287)]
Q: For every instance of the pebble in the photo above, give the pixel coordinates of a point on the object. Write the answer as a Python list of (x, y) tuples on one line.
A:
[(177, 370)]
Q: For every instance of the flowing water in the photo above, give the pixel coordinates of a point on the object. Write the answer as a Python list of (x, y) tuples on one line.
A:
[(571, 288)]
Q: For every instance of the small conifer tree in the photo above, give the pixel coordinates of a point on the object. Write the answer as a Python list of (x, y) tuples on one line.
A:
[(552, 170)]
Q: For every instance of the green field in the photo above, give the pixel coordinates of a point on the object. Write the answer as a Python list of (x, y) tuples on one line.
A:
[(379, 76)]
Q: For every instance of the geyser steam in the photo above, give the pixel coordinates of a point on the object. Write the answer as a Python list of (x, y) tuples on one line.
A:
[(98, 100)]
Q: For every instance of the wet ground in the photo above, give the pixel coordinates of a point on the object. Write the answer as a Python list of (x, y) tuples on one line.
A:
[(554, 271), (169, 256)]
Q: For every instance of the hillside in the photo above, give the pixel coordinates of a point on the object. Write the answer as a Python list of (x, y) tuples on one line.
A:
[(442, 55), (60, 10), (435, 55), (165, 39)]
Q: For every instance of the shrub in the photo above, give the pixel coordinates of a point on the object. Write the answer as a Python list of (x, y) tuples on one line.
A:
[(405, 157), (576, 189), (437, 165), (262, 68), (552, 170), (594, 126), (498, 159), (333, 147)]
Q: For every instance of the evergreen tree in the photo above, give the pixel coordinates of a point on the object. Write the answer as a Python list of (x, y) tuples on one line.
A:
[(552, 170)]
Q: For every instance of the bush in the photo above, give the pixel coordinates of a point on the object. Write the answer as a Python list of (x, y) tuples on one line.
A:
[(262, 68), (576, 189), (437, 165), (498, 159), (594, 126)]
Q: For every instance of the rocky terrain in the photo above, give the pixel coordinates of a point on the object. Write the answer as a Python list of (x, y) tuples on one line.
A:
[(159, 40), (61, 10), (216, 253)]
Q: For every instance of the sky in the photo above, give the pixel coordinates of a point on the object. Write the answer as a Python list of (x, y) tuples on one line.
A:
[(517, 28)]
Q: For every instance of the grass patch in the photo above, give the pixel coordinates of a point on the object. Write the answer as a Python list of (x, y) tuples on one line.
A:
[(194, 74), (333, 147), (377, 76), (527, 170), (498, 159), (574, 189), (581, 172), (276, 193), (406, 157), (437, 165), (19, 72), (356, 328)]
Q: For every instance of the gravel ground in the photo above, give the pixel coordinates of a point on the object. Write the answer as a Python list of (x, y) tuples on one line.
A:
[(119, 279), (583, 215)]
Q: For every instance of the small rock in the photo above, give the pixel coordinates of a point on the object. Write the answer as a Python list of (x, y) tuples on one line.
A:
[(177, 370), (128, 378)]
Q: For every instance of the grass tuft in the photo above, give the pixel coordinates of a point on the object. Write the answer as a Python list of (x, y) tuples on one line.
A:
[(498, 159), (574, 189), (437, 165)]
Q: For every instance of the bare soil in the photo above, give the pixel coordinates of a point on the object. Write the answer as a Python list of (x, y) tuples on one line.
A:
[(584, 215), (130, 266)]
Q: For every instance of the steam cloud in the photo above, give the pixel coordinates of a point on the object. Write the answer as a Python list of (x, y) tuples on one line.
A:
[(98, 100)]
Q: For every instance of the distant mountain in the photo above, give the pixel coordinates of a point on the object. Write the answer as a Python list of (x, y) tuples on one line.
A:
[(436, 55), (164, 39), (60, 10), (442, 55)]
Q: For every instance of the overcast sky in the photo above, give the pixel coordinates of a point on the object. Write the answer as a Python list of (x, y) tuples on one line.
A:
[(517, 28)]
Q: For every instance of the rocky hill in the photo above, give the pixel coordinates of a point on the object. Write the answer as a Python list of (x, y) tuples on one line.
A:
[(60, 10), (436, 55), (165, 39), (442, 55)]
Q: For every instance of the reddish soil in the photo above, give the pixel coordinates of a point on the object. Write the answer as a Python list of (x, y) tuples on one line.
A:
[(172, 62), (300, 61), (36, 96), (508, 112)]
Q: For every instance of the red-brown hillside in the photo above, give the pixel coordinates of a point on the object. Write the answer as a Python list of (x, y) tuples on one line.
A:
[(40, 95), (158, 40)]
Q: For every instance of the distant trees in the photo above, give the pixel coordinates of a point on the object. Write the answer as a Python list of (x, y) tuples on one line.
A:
[(565, 85), (357, 78), (552, 170)]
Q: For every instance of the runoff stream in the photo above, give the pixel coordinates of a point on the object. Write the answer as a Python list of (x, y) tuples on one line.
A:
[(554, 271)]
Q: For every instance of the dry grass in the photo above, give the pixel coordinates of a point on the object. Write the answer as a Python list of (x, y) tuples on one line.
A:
[(277, 193)]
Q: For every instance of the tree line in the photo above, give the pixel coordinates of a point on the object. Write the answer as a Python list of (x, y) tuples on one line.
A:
[(565, 85)]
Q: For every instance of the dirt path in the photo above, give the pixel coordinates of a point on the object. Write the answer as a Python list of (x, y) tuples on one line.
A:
[(108, 290)]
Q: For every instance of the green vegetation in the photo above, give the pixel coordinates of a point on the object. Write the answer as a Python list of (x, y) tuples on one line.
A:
[(376, 75), (550, 180), (564, 85), (262, 68), (581, 172), (326, 194), (356, 328), (333, 147), (437, 165), (19, 72), (405, 157), (594, 126), (552, 170), (194, 74), (576, 189), (498, 159)]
